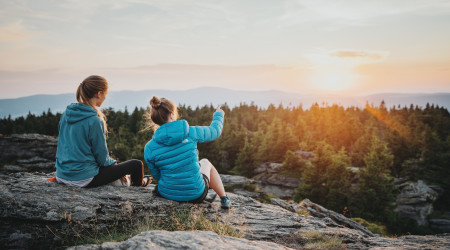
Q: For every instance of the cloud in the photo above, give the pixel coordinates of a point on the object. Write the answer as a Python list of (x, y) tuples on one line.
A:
[(355, 54)]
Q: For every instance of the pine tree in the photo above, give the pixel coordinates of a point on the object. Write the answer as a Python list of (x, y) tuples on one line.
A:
[(338, 182), (246, 162), (293, 165), (375, 193), (314, 177)]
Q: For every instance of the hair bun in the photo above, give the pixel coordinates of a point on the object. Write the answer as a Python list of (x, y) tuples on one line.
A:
[(155, 102)]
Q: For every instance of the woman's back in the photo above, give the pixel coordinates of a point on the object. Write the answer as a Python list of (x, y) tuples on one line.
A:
[(172, 157), (80, 129), (82, 158)]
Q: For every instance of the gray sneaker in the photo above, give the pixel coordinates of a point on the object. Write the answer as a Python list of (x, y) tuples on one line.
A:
[(225, 202), (210, 197)]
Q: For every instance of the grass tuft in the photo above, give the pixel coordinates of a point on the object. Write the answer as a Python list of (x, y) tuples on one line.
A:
[(373, 227), (316, 240), (266, 198), (183, 218)]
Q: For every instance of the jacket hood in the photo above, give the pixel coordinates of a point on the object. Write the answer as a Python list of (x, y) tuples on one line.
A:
[(172, 133), (76, 112)]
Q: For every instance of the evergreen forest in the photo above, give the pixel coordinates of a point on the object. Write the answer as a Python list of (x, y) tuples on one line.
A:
[(383, 143)]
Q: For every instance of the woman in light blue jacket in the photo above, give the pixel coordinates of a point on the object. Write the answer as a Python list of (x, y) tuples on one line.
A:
[(172, 155), (82, 158)]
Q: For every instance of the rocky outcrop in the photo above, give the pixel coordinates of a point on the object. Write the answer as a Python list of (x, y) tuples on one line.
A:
[(416, 201), (279, 180), (272, 182), (441, 225), (305, 155), (182, 240), (277, 184), (33, 210), (268, 167), (229, 180), (332, 218), (27, 152)]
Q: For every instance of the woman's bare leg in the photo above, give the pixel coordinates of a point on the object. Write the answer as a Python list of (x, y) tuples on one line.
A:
[(210, 171)]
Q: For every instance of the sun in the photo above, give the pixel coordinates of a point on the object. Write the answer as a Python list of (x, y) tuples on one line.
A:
[(332, 79)]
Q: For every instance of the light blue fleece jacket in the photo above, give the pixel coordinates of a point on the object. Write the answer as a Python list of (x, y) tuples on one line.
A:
[(82, 146), (172, 157)]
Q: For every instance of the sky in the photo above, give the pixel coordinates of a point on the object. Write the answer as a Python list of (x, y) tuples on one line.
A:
[(328, 47)]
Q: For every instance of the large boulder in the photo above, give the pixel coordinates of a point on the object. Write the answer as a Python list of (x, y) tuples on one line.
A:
[(415, 201), (182, 240), (27, 152)]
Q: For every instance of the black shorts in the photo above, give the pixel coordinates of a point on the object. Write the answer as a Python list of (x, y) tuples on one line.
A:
[(205, 192), (200, 199)]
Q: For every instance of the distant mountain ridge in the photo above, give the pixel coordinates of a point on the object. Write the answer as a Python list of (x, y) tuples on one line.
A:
[(118, 100)]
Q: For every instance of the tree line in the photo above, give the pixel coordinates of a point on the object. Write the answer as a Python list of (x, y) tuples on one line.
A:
[(358, 151)]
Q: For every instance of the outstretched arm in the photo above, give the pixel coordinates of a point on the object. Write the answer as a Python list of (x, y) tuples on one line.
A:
[(211, 132)]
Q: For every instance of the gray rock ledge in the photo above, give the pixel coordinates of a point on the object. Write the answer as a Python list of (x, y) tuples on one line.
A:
[(30, 205), (182, 240)]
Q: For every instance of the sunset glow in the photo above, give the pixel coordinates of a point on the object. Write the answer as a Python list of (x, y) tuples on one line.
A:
[(329, 79)]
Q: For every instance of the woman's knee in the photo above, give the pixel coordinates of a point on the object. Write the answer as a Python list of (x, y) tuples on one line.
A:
[(204, 161), (205, 167)]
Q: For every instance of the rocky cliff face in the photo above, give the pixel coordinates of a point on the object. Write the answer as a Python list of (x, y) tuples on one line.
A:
[(27, 153), (416, 200), (32, 209)]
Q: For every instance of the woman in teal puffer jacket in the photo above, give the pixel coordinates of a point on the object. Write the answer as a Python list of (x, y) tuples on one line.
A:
[(172, 155)]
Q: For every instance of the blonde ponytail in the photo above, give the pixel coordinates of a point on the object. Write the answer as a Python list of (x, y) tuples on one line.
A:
[(87, 90)]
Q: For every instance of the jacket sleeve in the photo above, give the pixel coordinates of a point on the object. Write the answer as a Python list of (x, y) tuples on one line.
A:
[(208, 133), (151, 166), (98, 144)]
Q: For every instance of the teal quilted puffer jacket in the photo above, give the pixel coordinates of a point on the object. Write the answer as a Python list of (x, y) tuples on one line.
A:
[(172, 157)]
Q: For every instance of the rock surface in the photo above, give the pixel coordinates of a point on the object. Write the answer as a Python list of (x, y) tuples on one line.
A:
[(416, 201), (442, 225), (235, 180), (272, 182), (27, 152), (182, 240), (32, 209), (268, 167), (321, 212), (305, 155)]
